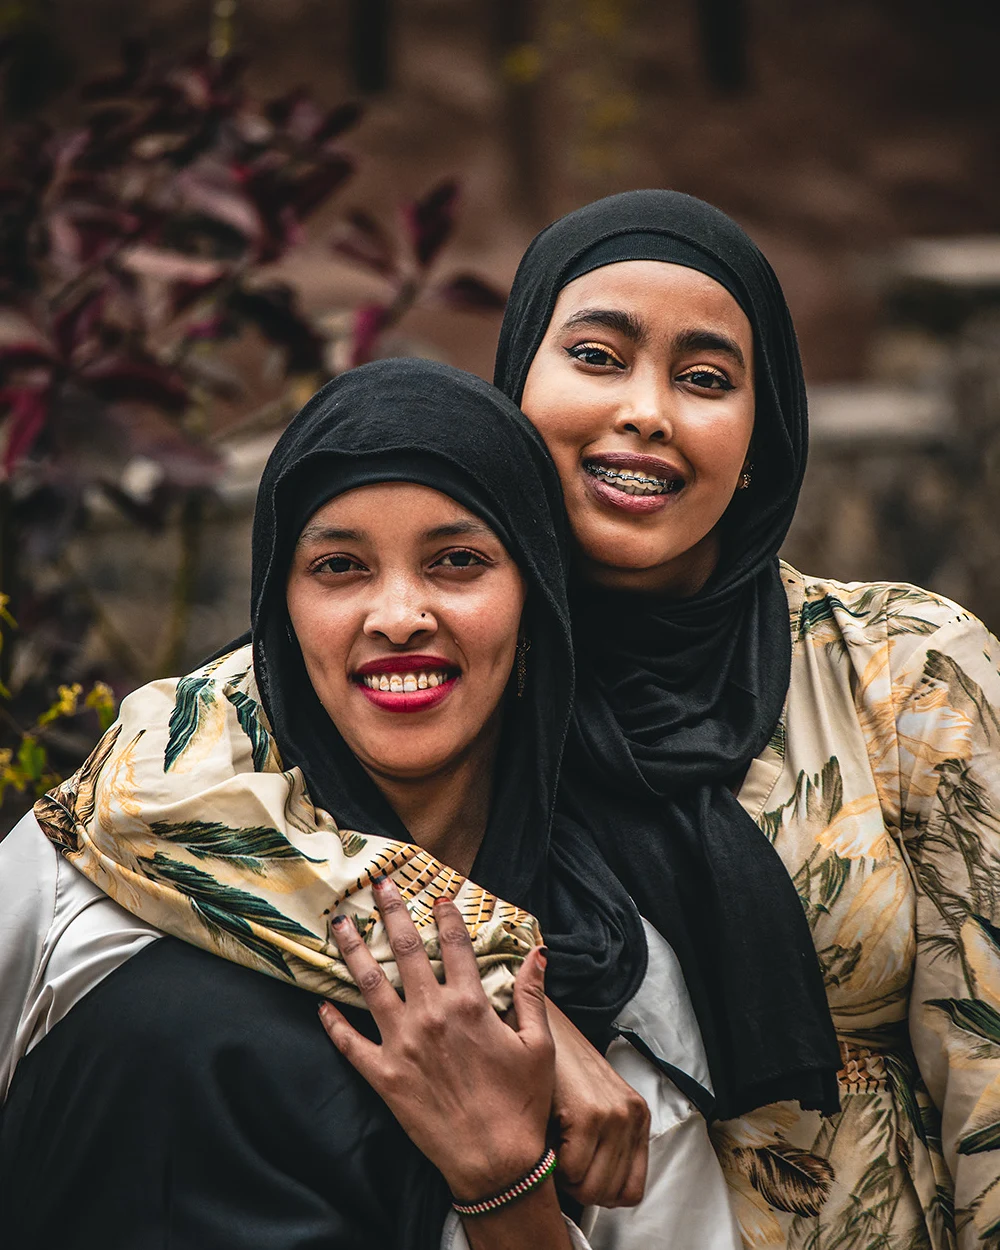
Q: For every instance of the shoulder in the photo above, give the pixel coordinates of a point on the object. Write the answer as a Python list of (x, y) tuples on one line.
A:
[(901, 620), (895, 607)]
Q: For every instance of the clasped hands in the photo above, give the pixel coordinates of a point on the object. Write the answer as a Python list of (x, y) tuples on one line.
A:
[(480, 1097)]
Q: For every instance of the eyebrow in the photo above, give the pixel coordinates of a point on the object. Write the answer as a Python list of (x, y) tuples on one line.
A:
[(709, 341), (461, 529), (327, 534), (617, 319), (330, 534), (634, 329)]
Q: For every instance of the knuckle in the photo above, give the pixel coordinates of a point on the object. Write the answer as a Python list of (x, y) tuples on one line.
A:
[(571, 1170), (407, 945), (453, 932), (631, 1195), (348, 938), (370, 980), (433, 1021), (391, 904), (470, 1006)]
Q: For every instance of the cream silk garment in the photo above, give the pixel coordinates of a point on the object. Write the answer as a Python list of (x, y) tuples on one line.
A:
[(880, 791), (227, 851)]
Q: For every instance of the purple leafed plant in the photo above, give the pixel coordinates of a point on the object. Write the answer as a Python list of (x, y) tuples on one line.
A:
[(132, 254), (135, 255), (427, 225)]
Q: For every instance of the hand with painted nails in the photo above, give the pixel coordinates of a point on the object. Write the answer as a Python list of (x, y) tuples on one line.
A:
[(472, 1093)]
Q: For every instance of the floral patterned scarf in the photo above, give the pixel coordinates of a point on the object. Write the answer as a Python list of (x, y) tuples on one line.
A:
[(185, 815)]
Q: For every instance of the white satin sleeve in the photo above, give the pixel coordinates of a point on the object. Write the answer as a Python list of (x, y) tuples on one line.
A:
[(661, 1054), (454, 1238), (59, 936), (686, 1204)]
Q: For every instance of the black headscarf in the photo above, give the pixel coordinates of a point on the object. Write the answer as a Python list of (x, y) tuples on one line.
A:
[(676, 697), (415, 421)]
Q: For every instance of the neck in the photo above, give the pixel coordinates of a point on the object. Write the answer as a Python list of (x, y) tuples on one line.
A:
[(680, 577), (446, 813)]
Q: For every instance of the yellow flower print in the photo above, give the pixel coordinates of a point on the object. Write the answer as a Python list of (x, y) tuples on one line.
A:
[(757, 1222), (987, 1212), (931, 731), (881, 921), (982, 958), (857, 831)]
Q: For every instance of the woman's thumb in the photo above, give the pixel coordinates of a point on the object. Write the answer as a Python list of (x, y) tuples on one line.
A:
[(529, 994)]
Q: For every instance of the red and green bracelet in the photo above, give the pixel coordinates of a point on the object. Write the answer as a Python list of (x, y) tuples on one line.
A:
[(543, 1169)]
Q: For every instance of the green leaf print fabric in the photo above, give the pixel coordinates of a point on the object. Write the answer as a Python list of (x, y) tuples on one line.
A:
[(881, 794), (185, 816)]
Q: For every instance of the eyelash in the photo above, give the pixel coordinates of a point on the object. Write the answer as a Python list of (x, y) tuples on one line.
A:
[(322, 565), (612, 360)]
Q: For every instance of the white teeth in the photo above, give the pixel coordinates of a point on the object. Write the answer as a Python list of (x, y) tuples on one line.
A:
[(403, 683)]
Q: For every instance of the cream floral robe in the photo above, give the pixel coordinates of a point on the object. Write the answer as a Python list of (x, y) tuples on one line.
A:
[(881, 792)]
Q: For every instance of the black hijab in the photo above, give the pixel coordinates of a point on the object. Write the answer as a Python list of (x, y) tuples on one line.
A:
[(676, 697), (415, 421)]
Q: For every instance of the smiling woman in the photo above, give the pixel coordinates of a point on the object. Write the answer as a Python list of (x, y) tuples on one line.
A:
[(807, 772), (620, 338), (394, 618), (281, 815)]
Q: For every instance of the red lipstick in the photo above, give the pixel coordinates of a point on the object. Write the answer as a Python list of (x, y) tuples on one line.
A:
[(408, 700)]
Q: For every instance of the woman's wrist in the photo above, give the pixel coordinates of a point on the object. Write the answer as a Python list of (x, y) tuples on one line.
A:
[(536, 1221), (473, 1180)]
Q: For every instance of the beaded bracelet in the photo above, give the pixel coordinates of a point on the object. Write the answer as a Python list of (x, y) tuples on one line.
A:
[(544, 1168)]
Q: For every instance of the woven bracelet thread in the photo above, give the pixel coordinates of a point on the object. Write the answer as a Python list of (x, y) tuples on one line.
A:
[(543, 1169)]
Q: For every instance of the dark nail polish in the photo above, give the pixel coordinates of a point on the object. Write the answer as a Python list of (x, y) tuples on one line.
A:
[(338, 920), (379, 880), (543, 955)]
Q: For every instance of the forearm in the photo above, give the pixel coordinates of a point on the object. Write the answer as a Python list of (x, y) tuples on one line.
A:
[(534, 1220)]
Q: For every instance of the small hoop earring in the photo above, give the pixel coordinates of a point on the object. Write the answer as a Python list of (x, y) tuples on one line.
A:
[(521, 665), (745, 478)]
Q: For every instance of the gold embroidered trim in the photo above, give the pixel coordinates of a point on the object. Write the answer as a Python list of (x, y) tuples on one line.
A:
[(863, 1071)]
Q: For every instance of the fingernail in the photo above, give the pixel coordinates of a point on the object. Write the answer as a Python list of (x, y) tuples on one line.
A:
[(324, 1010), (442, 899), (379, 880), (543, 955), (338, 920)]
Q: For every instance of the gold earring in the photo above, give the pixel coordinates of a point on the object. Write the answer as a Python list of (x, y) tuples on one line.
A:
[(521, 664), (744, 482)]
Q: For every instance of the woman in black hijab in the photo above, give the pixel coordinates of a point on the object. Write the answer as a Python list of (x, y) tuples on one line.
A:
[(777, 745), (176, 1096)]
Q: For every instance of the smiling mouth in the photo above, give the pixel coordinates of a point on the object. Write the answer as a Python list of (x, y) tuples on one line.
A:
[(406, 683), (632, 483)]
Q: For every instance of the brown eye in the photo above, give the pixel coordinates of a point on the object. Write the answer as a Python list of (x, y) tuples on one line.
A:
[(707, 379), (596, 354), (459, 560), (336, 564)]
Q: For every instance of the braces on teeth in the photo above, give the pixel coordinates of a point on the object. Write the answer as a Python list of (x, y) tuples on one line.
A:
[(633, 483), (403, 683)]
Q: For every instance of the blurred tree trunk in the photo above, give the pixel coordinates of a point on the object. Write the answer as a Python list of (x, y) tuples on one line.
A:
[(514, 36), (371, 23), (723, 28)]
